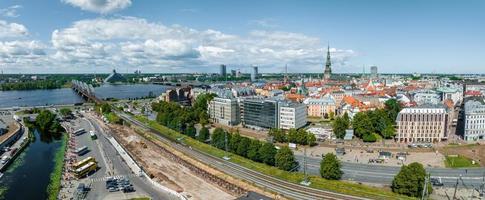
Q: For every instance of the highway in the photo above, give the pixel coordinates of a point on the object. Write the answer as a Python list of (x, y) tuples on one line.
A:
[(290, 190), (378, 174), (111, 165)]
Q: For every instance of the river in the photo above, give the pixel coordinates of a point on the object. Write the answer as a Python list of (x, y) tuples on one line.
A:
[(28, 176), (24, 98)]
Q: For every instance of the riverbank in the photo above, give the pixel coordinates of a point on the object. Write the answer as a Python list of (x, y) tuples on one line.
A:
[(18, 147), (54, 186)]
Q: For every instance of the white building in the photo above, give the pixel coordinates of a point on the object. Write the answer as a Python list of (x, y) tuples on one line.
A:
[(474, 120), (422, 125), (292, 115), (224, 111), (427, 97)]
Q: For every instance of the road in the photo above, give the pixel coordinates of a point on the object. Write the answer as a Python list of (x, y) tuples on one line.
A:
[(290, 190), (378, 174), (111, 164)]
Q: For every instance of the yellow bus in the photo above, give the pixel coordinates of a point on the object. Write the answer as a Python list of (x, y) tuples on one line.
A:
[(85, 169), (83, 162)]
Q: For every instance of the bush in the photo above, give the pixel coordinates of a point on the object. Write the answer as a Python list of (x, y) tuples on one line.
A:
[(369, 138)]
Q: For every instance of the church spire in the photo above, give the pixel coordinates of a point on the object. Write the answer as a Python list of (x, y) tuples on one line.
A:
[(328, 70)]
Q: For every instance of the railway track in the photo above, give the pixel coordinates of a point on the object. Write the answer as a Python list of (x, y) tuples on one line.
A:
[(284, 188)]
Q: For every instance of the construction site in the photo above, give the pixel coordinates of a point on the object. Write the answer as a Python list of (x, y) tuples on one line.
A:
[(176, 171)]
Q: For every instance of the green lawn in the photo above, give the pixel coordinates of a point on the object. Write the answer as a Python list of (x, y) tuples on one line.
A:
[(317, 182), (459, 161)]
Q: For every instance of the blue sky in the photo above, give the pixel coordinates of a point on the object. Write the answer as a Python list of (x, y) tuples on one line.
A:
[(196, 36)]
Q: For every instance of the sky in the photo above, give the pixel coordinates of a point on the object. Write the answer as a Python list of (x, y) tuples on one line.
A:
[(161, 36)]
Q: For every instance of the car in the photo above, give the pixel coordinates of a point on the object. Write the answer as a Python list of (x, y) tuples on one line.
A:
[(113, 189), (436, 182), (128, 189)]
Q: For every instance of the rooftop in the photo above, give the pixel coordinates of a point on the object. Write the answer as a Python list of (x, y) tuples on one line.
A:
[(423, 110)]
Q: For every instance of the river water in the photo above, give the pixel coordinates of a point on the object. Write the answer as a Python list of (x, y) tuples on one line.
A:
[(28, 176), (23, 98)]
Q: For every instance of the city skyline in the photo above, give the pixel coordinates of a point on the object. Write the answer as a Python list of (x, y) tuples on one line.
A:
[(87, 36)]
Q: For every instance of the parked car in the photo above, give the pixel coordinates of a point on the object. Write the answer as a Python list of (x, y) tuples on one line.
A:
[(436, 181)]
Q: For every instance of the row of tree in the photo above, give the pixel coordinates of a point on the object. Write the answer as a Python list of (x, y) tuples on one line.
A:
[(32, 85), (255, 150), (297, 136), (369, 125)]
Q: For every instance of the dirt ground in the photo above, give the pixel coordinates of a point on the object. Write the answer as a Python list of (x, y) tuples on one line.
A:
[(165, 170), (432, 159), (473, 151), (447, 193)]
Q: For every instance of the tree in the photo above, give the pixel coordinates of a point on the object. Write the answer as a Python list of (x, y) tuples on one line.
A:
[(203, 134), (293, 136), (234, 142), (339, 126), (278, 135), (410, 180), (389, 132), (311, 139), (191, 131), (331, 115), (330, 167), (285, 160), (302, 137), (346, 118), (218, 138), (392, 107), (253, 151), (105, 108), (243, 147), (362, 124), (267, 153)]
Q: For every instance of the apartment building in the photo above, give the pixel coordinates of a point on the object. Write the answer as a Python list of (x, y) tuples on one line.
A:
[(474, 120), (321, 107), (224, 111), (422, 125), (292, 115)]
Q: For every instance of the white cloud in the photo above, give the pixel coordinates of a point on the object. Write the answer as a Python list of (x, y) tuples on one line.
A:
[(10, 11), (100, 6), (128, 42), (10, 30)]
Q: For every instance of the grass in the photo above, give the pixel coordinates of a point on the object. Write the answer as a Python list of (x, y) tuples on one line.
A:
[(55, 179), (317, 182), (459, 162), (113, 118)]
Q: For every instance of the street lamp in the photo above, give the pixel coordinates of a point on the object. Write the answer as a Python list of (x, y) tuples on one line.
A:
[(306, 180)]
